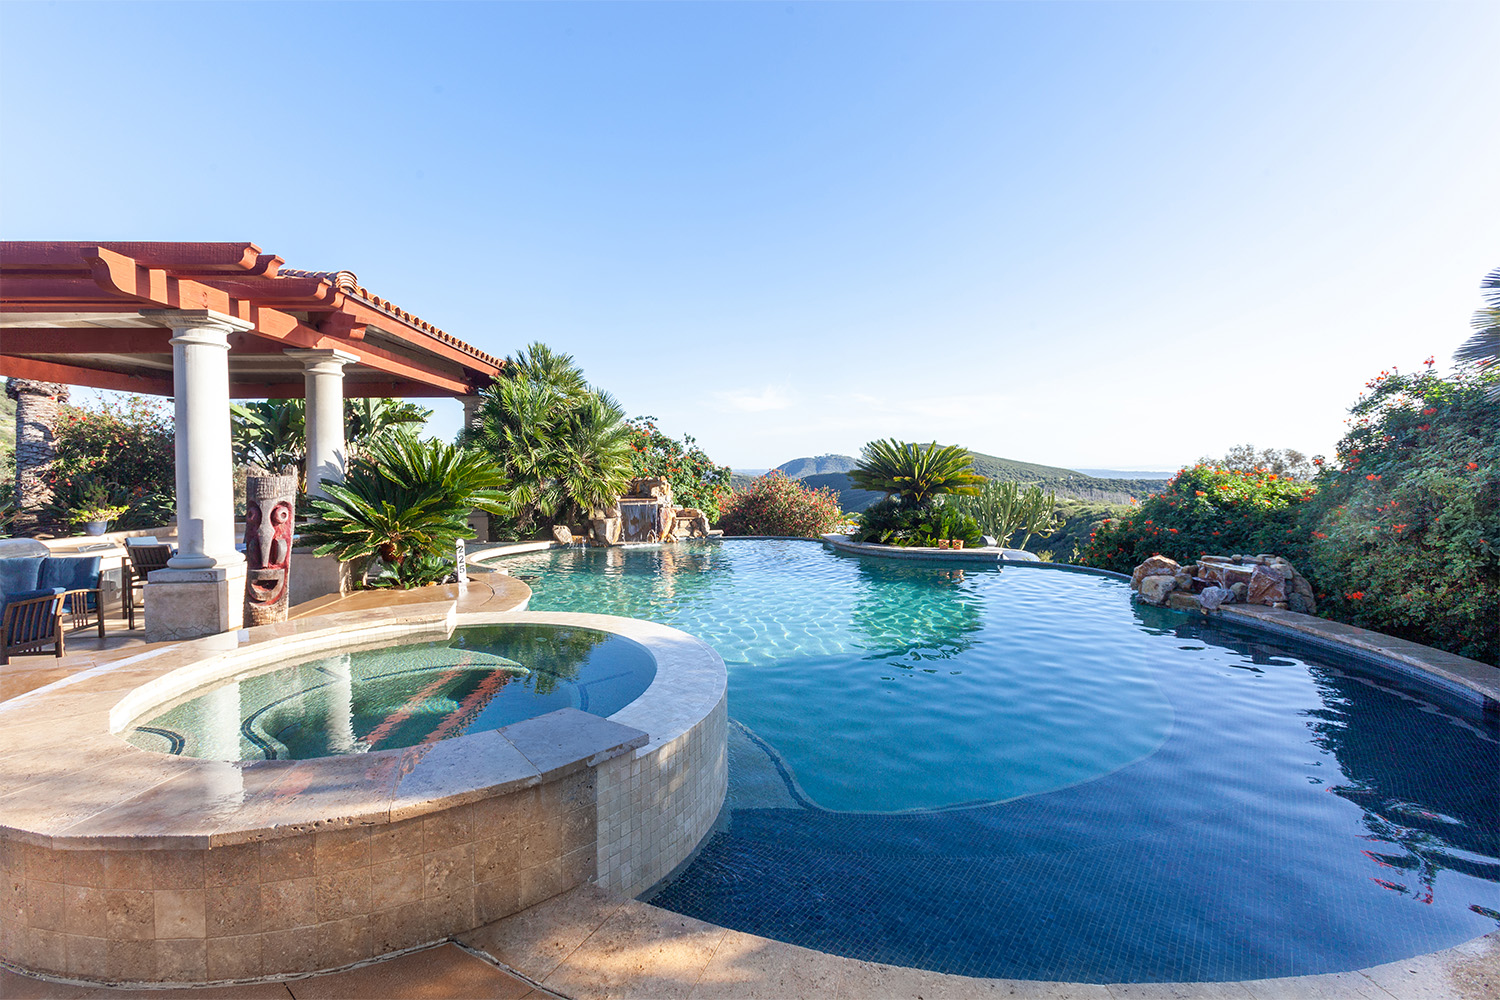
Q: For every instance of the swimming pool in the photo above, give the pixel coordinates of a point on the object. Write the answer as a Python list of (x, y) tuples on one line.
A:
[(400, 695), (1021, 774)]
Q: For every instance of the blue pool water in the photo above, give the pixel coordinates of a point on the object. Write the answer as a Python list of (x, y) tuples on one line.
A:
[(482, 677), (1022, 774)]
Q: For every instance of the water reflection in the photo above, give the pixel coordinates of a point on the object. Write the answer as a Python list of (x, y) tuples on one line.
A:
[(914, 612), (1420, 819)]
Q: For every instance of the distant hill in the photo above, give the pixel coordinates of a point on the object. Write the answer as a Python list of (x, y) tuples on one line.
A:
[(849, 498), (822, 465), (1126, 474), (1066, 482), (832, 471)]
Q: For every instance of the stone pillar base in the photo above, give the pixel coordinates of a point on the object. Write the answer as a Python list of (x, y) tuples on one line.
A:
[(315, 576), (188, 603)]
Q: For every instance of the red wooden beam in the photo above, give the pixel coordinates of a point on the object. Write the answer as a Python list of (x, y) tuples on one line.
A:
[(49, 371), (113, 340), (192, 257)]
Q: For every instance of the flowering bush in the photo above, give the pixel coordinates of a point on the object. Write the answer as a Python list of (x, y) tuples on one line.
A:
[(1204, 509), (776, 505), (695, 480), (1404, 536), (116, 454)]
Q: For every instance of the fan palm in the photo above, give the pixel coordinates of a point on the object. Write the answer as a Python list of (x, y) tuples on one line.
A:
[(914, 474), (563, 448), (1483, 348), (404, 501)]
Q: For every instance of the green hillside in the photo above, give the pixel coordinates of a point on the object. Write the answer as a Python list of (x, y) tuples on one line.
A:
[(832, 471), (7, 433), (850, 499), (1067, 482), (822, 465)]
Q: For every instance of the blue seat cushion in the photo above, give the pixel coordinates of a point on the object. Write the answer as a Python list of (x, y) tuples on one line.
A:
[(70, 572), (19, 574), (27, 595)]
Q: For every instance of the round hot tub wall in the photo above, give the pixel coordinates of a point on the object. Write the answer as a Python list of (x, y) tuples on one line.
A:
[(130, 866)]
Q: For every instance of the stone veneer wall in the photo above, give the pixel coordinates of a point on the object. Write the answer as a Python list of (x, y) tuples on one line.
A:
[(292, 904), (656, 805)]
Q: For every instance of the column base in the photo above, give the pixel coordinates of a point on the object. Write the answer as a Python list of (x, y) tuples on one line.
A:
[(189, 603)]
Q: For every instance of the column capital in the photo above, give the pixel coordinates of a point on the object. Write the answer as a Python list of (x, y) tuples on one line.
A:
[(198, 319), (325, 362)]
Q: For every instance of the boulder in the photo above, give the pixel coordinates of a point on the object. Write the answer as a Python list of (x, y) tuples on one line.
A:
[(562, 534), (1212, 597), (1179, 601), (1238, 590), (1184, 581), (1301, 604), (1267, 586), (1154, 589), (692, 523), (1155, 566)]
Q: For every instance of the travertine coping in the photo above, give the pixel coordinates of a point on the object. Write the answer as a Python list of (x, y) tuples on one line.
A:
[(121, 864)]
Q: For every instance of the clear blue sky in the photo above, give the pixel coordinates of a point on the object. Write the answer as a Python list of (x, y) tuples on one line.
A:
[(1116, 235)]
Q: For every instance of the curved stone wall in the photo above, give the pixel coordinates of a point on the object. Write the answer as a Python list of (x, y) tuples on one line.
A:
[(126, 866)]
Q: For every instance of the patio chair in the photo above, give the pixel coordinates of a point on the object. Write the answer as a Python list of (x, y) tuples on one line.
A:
[(82, 581), (30, 621), (139, 561)]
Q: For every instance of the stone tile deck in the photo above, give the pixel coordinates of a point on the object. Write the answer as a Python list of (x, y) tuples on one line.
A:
[(588, 945), (445, 971)]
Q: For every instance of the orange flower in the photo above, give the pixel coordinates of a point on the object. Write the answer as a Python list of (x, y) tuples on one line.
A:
[(1357, 595), (1472, 466), (1199, 493), (1372, 477)]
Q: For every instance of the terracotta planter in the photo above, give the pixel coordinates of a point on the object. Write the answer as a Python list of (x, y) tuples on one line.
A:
[(942, 543), (958, 543)]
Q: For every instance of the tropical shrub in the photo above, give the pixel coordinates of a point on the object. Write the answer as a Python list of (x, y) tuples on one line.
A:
[(115, 454), (405, 502), (915, 474), (1076, 521), (272, 433), (1005, 509), (562, 447), (1404, 535), (894, 521), (775, 505), (1285, 462), (1205, 509), (695, 480)]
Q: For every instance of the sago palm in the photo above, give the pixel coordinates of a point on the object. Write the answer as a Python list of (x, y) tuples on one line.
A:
[(402, 501), (915, 474)]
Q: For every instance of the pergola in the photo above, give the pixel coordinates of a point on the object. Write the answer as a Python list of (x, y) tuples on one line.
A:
[(205, 323)]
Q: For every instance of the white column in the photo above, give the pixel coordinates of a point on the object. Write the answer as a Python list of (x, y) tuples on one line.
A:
[(323, 372), (205, 468), (202, 590)]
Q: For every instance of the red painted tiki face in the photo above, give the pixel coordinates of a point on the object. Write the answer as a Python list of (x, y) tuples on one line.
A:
[(268, 550)]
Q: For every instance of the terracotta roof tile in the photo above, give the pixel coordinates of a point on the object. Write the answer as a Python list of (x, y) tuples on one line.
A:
[(348, 283)]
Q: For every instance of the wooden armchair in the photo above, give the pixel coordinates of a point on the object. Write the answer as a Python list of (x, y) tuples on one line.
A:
[(30, 622), (139, 561)]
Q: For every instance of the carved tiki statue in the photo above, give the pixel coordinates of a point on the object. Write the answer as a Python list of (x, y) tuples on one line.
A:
[(269, 510)]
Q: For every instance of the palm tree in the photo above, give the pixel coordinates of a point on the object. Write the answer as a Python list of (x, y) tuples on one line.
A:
[(407, 502), (913, 474), (562, 446), (1483, 348)]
